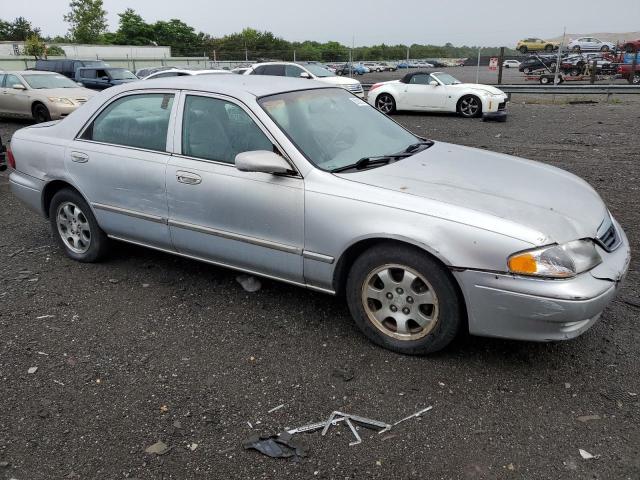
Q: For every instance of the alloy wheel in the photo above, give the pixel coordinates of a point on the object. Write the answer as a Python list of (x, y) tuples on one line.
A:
[(400, 302), (469, 106), (73, 227), (384, 103)]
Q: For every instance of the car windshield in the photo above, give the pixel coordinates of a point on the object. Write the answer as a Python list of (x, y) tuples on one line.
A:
[(121, 74), (49, 81), (333, 128), (446, 79), (318, 71)]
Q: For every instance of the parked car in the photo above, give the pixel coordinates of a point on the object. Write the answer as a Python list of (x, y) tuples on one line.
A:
[(438, 92), (511, 64), (386, 67), (631, 46), (374, 67), (66, 67), (423, 238), (42, 96), (423, 65), (536, 45), (101, 78), (403, 64), (349, 69), (590, 44), (437, 63), (145, 72), (177, 72), (240, 70), (308, 71), (538, 62), (3, 156)]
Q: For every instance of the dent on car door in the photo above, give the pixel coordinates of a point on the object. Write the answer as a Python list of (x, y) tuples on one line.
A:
[(250, 220), (118, 163)]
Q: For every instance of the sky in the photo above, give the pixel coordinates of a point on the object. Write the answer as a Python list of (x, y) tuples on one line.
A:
[(470, 22)]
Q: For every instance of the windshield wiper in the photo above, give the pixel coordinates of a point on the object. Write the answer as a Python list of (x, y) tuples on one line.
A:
[(419, 146), (366, 162)]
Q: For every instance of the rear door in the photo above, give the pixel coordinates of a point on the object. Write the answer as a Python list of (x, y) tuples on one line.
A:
[(250, 220), (118, 162)]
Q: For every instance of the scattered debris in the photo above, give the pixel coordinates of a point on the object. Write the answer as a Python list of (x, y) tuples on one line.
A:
[(164, 408), (415, 415), (632, 302), (192, 446), (249, 283), (32, 370), (586, 455), (588, 418), (11, 255), (158, 448), (277, 446), (58, 382), (44, 316), (249, 423), (114, 280), (4, 464), (343, 373), (145, 285), (275, 409), (567, 386)]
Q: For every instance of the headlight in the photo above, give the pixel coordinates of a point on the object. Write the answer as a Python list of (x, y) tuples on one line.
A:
[(63, 100), (557, 261)]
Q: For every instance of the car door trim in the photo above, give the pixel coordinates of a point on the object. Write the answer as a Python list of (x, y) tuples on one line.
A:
[(130, 213), (237, 236), (320, 257), (225, 265)]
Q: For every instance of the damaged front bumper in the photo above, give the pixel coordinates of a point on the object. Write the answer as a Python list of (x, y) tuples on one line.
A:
[(526, 308)]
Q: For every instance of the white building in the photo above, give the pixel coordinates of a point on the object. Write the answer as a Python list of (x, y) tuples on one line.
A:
[(95, 51)]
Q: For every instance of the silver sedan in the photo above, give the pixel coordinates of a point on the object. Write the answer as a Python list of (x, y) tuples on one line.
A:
[(302, 182)]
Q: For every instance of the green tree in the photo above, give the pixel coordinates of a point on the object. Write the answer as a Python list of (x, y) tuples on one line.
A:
[(55, 51), (18, 30), (34, 45), (181, 37), (88, 20), (133, 30)]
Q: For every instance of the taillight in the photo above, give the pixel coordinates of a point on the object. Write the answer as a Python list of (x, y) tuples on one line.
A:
[(10, 158), (374, 86)]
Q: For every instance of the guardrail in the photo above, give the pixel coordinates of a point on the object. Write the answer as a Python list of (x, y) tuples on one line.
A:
[(562, 89)]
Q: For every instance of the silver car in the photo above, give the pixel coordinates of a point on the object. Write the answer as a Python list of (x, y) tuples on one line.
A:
[(302, 182), (42, 96)]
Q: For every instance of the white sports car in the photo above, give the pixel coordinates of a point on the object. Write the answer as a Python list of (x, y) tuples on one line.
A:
[(438, 92)]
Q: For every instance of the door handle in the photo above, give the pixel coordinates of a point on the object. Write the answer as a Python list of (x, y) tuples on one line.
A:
[(188, 178), (79, 157)]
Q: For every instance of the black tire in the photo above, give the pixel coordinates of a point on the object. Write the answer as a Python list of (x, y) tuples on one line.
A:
[(544, 80), (447, 310), (548, 48), (98, 243), (386, 103), (468, 111), (40, 113), (576, 49), (636, 79), (523, 49), (528, 70), (574, 72), (605, 48)]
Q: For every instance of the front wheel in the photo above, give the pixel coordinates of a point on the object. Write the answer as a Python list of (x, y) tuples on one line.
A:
[(386, 103), (523, 49), (605, 48), (636, 79), (470, 106), (403, 300), (40, 113), (548, 48), (75, 227)]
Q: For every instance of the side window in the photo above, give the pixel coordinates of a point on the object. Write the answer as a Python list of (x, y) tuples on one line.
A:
[(100, 73), (421, 79), (258, 71), (138, 121), (292, 71), (167, 74), (214, 129), (87, 73), (12, 80), (275, 70), (2, 77)]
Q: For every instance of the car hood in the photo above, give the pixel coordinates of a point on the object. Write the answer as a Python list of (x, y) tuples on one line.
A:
[(338, 80), (557, 205), (79, 92), (478, 88)]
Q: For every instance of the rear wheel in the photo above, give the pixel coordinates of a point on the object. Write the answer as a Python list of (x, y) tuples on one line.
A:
[(544, 80), (576, 49), (548, 48), (403, 300), (605, 48), (523, 49), (386, 103), (470, 106), (574, 72), (40, 113), (636, 79), (75, 227)]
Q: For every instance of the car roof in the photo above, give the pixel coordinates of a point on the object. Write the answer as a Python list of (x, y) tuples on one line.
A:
[(238, 86), (29, 72)]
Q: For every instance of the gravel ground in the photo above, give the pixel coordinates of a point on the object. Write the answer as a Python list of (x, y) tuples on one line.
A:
[(147, 346)]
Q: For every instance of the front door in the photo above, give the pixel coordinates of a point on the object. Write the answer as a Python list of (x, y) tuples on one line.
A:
[(250, 220), (119, 161), (14, 100), (421, 95)]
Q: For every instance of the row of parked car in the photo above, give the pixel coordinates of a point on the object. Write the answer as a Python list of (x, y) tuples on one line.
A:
[(582, 44)]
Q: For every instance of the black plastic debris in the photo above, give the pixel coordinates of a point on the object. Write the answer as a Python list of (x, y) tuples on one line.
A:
[(283, 445)]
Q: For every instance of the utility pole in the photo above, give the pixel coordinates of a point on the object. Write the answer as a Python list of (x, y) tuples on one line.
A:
[(478, 67), (557, 72), (294, 55)]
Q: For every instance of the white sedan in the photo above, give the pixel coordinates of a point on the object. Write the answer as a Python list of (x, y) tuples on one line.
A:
[(511, 64), (180, 72), (438, 92)]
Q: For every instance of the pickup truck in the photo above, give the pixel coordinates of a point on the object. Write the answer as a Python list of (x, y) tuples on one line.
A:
[(100, 78)]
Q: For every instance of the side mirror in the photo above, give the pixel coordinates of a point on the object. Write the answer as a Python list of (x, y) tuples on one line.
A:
[(18, 86), (305, 75), (261, 161), (433, 83), (80, 84)]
